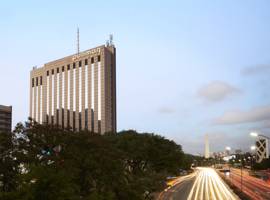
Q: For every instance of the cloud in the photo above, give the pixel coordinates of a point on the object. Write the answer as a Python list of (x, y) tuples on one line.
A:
[(256, 114), (217, 91), (256, 70), (166, 110)]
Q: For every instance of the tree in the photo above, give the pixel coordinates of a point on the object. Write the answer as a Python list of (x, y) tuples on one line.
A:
[(9, 165), (61, 164), (265, 164)]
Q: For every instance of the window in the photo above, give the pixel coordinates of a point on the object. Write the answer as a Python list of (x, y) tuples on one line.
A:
[(74, 65), (92, 60), (57, 70), (63, 118), (80, 63), (68, 67), (86, 119), (68, 119), (41, 80), (33, 82), (48, 73), (85, 62), (63, 68), (98, 58), (52, 71), (74, 121), (57, 117), (37, 81), (80, 121)]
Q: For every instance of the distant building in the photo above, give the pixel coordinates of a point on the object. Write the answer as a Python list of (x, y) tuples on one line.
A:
[(5, 118), (206, 150), (77, 91), (262, 149), (238, 151)]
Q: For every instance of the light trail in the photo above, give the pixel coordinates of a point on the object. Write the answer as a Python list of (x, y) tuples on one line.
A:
[(176, 182), (255, 188), (208, 185)]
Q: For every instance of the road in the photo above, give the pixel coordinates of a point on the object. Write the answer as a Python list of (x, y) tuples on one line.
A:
[(181, 188), (256, 188), (204, 184)]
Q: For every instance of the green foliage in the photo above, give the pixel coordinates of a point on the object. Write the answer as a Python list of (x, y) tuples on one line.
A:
[(9, 166), (265, 164), (44, 162)]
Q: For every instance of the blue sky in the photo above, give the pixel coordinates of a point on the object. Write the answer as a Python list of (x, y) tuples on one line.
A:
[(184, 68)]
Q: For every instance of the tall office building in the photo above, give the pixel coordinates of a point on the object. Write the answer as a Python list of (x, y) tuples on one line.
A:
[(77, 91), (5, 118)]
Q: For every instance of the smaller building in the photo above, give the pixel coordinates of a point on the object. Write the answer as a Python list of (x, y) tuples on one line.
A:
[(5, 118), (262, 149)]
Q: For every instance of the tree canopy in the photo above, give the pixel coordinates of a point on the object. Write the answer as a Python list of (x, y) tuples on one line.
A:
[(44, 162)]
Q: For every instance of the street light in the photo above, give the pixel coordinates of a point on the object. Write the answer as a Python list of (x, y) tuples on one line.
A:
[(228, 148), (253, 148), (254, 134)]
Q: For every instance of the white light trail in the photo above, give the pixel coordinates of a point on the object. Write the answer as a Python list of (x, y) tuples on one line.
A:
[(208, 185)]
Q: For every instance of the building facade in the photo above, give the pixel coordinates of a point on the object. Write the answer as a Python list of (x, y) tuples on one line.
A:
[(78, 91), (5, 118), (262, 149)]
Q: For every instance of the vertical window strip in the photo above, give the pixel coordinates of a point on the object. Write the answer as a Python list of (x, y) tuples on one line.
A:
[(68, 90), (37, 110), (40, 112), (33, 103), (53, 95), (99, 91), (74, 89), (63, 90), (92, 87), (80, 89), (86, 87), (57, 91), (48, 94)]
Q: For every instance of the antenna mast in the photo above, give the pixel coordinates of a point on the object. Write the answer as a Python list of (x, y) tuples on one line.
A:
[(78, 41), (111, 40)]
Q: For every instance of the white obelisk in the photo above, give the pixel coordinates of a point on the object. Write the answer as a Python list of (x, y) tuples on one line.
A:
[(206, 150)]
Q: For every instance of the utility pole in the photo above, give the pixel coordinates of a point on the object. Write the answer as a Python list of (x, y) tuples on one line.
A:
[(241, 175)]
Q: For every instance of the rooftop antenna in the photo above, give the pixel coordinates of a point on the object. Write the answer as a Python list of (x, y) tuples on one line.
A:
[(111, 40), (78, 41)]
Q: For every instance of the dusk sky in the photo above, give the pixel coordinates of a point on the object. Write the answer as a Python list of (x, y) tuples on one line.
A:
[(184, 68)]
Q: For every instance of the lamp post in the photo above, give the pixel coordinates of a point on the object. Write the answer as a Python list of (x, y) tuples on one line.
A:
[(228, 149), (241, 160), (231, 172), (252, 148)]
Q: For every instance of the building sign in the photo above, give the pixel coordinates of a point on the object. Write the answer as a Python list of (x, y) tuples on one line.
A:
[(86, 53)]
